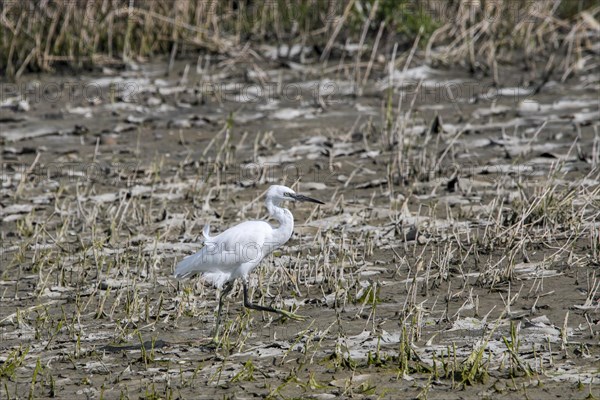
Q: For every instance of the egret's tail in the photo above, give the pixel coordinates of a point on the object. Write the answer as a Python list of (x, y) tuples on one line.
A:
[(193, 264), (186, 267), (207, 262)]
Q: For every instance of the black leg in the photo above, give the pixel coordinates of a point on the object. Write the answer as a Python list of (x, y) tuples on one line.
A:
[(224, 292), (253, 306)]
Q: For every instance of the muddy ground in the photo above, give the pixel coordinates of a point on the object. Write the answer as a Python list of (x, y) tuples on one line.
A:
[(457, 255)]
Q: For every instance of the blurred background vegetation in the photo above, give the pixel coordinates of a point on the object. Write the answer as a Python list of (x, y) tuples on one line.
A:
[(49, 35)]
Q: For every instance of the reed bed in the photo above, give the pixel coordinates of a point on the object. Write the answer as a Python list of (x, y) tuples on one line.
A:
[(84, 34)]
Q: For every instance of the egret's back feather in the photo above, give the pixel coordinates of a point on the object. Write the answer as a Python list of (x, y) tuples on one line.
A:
[(206, 232)]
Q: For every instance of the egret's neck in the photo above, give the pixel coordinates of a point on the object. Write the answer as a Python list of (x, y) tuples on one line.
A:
[(286, 222)]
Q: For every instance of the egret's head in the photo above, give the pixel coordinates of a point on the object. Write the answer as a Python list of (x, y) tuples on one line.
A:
[(278, 194)]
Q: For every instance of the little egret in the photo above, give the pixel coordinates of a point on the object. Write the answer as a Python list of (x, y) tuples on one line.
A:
[(237, 251)]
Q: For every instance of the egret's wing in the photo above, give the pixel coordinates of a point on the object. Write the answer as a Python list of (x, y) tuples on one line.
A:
[(222, 255)]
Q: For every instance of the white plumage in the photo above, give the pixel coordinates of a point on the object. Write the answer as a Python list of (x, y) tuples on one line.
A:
[(237, 251), (230, 255)]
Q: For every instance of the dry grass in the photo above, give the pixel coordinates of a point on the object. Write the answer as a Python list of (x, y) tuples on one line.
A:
[(48, 35), (485, 35)]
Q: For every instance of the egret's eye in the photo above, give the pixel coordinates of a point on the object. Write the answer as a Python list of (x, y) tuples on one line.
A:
[(287, 194)]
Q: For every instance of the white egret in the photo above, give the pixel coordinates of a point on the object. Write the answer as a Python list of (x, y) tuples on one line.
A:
[(237, 251)]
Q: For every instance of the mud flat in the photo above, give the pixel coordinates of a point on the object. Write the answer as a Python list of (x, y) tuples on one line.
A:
[(457, 255)]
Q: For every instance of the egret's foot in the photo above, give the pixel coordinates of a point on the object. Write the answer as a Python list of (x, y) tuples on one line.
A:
[(283, 313), (291, 315)]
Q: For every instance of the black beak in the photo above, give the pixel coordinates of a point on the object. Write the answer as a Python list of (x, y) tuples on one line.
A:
[(300, 197)]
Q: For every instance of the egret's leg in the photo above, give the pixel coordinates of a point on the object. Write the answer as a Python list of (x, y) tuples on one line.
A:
[(225, 291), (252, 306)]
